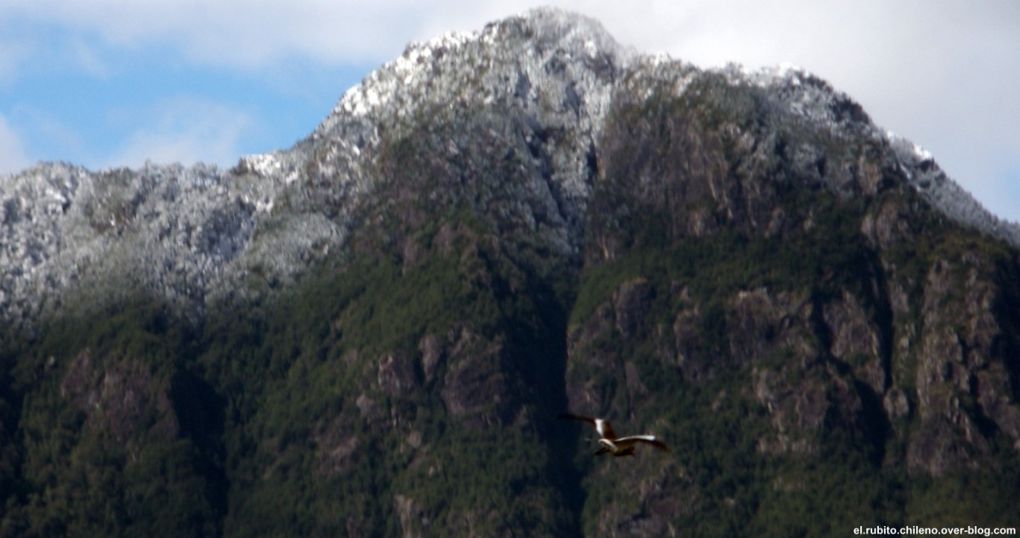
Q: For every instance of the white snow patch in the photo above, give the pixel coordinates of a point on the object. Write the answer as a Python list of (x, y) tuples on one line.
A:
[(264, 165), (264, 206), (922, 153), (764, 77)]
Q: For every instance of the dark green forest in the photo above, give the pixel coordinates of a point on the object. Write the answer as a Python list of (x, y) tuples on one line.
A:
[(124, 420)]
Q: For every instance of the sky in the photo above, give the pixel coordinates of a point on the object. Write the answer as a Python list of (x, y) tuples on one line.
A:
[(108, 83)]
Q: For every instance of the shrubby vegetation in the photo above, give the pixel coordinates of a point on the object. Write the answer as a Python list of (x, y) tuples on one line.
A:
[(314, 413), (715, 426), (253, 393), (255, 399)]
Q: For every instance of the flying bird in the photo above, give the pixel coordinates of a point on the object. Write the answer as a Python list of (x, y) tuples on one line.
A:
[(610, 443)]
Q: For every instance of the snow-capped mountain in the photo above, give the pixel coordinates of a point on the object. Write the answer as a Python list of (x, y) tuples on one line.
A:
[(370, 333), (197, 234)]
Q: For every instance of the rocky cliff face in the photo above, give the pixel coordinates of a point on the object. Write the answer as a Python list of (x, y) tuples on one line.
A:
[(371, 332)]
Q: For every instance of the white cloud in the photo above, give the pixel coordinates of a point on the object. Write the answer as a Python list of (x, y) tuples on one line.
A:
[(84, 57), (41, 124), (234, 32), (185, 130), (12, 151)]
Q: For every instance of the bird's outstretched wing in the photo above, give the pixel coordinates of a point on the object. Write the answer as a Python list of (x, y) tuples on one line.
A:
[(646, 439), (601, 426)]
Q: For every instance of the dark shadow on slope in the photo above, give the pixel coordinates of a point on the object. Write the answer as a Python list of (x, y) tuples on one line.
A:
[(537, 330), (200, 414), (10, 412), (562, 441)]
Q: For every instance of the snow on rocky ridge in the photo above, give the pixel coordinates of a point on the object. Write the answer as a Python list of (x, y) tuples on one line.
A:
[(197, 235), (812, 98)]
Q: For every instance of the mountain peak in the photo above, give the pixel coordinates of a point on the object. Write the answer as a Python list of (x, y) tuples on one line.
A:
[(485, 65), (573, 30)]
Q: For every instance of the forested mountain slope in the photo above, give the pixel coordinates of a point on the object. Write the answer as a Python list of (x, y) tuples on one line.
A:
[(372, 333)]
